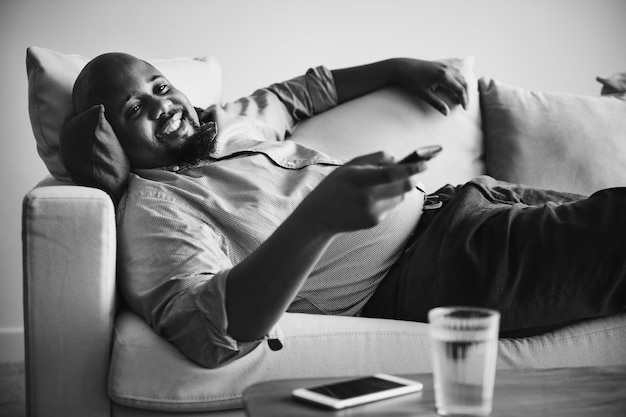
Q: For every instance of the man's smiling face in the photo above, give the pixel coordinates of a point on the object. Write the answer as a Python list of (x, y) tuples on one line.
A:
[(151, 118)]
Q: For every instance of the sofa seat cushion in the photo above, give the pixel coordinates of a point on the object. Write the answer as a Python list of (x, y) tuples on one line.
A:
[(149, 373)]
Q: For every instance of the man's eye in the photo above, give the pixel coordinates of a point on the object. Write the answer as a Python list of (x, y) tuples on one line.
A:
[(162, 88), (134, 109)]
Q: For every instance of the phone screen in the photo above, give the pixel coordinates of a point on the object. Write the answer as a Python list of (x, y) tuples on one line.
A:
[(355, 387)]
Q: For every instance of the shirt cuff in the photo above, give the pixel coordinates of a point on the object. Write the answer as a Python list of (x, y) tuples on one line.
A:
[(321, 86), (196, 323), (217, 318)]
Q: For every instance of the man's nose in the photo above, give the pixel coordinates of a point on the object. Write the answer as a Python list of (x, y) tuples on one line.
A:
[(159, 106)]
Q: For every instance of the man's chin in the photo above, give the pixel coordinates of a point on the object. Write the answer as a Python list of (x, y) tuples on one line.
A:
[(196, 147)]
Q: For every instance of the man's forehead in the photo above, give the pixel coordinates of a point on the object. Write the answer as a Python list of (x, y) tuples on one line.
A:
[(124, 67), (107, 75), (121, 77)]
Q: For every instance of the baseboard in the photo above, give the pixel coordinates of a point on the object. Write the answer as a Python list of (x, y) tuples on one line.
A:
[(12, 344)]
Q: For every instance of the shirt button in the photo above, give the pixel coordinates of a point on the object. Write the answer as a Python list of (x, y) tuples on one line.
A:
[(175, 168), (290, 164)]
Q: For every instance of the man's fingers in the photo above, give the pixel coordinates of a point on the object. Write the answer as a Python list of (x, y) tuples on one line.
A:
[(389, 173), (452, 84), (394, 190), (460, 88), (376, 158), (436, 102)]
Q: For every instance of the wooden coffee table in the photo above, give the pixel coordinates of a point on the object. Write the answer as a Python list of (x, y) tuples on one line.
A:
[(564, 392)]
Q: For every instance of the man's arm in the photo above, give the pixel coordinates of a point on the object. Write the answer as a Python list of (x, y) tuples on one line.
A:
[(355, 196), (426, 79), (282, 105)]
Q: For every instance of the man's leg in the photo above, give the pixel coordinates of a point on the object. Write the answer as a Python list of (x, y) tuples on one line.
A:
[(540, 266)]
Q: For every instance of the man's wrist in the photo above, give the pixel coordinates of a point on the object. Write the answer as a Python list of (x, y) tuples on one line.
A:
[(397, 71)]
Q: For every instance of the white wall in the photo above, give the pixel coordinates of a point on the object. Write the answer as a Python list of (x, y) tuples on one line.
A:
[(557, 45)]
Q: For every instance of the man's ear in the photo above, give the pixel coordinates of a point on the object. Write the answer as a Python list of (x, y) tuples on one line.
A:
[(92, 153)]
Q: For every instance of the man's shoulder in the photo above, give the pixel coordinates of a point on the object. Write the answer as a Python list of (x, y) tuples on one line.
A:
[(146, 185)]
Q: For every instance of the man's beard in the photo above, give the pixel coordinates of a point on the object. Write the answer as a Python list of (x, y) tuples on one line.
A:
[(198, 146)]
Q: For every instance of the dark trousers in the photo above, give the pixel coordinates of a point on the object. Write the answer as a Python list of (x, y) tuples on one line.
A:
[(542, 258)]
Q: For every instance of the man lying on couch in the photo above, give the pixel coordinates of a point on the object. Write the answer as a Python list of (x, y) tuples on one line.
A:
[(224, 225)]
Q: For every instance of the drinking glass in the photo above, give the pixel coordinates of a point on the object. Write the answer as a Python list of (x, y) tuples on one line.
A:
[(464, 343)]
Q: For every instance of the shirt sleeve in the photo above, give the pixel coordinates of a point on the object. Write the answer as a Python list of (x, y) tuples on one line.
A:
[(173, 271), (282, 105)]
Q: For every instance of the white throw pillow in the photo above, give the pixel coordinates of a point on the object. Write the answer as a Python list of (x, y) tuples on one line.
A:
[(393, 121), (558, 141), (51, 77)]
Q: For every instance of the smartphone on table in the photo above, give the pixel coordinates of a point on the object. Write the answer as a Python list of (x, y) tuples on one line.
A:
[(425, 153), (357, 391)]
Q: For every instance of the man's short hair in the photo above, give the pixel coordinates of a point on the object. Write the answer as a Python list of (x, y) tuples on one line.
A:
[(87, 91)]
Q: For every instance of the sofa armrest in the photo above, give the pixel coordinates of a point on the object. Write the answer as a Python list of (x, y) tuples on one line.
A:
[(69, 244)]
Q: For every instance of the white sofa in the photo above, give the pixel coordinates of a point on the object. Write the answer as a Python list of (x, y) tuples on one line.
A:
[(89, 355)]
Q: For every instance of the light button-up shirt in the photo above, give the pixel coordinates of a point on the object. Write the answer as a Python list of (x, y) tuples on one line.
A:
[(182, 229)]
